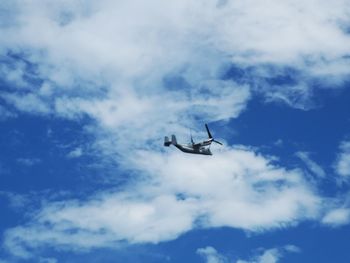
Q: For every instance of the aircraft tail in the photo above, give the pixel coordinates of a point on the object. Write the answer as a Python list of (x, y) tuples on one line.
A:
[(167, 142), (173, 140)]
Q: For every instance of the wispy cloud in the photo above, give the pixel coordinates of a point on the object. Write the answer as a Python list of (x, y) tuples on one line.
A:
[(16, 201), (28, 103), (273, 255), (312, 166), (337, 217), (48, 260), (342, 165), (211, 255), (28, 161), (6, 114), (76, 153)]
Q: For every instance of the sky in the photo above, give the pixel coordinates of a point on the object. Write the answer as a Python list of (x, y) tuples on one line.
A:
[(89, 89)]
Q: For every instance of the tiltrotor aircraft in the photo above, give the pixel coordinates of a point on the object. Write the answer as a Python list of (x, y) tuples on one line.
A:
[(196, 148)]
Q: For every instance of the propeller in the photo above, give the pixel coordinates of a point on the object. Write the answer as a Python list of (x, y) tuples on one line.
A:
[(210, 136), (191, 138), (217, 142)]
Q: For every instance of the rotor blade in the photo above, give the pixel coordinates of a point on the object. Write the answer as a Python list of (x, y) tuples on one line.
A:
[(191, 137), (209, 134), (217, 142)]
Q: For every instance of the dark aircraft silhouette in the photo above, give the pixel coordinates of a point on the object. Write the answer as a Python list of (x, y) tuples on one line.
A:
[(195, 148)]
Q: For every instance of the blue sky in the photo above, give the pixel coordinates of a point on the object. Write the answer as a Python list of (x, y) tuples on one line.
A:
[(89, 90)]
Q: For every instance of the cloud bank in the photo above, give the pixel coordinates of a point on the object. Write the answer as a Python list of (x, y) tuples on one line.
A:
[(174, 194), (77, 53)]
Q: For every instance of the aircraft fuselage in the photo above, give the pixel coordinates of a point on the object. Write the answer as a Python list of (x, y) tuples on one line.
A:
[(195, 150)]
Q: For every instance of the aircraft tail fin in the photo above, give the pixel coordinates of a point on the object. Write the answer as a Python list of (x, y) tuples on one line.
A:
[(173, 140), (167, 142)]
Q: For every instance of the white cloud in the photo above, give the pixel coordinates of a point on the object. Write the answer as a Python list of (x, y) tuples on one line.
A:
[(337, 217), (269, 256), (272, 255), (174, 194), (314, 167), (236, 180), (76, 153), (114, 46), (211, 255), (292, 249), (342, 165), (298, 96), (14, 74), (27, 103)]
